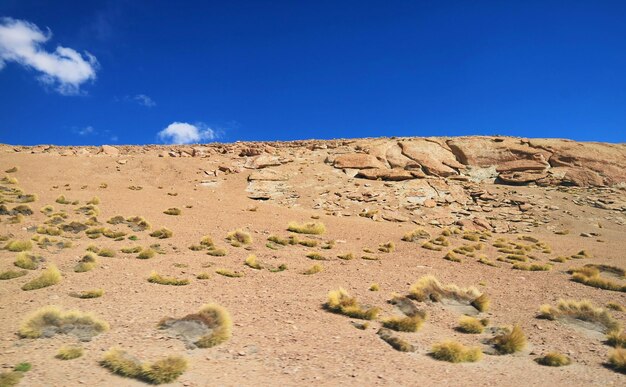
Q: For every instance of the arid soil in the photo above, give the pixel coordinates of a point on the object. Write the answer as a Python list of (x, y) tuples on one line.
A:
[(569, 196)]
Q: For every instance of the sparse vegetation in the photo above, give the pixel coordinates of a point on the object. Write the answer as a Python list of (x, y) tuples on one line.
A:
[(86, 294), (172, 211), (131, 250), (203, 276), (18, 245), (616, 338), (27, 261), (339, 301), (396, 342), (146, 254), (553, 359), (617, 359), (53, 320), (415, 235), (161, 233), (252, 262), (455, 352), (69, 353), (87, 263), (238, 238), (48, 277), (229, 273), (164, 370), (590, 275), (532, 267), (214, 317), (106, 252), (10, 378), (468, 324), (580, 310), (615, 306), (404, 323), (510, 342), (161, 280), (388, 247), (313, 269), (374, 287), (346, 256), (10, 274), (313, 228), (429, 288), (316, 256)]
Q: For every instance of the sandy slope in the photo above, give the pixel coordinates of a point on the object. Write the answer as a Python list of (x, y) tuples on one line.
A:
[(281, 334)]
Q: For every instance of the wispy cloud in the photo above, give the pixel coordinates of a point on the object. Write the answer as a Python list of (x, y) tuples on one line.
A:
[(184, 133), (64, 69), (86, 131), (144, 100)]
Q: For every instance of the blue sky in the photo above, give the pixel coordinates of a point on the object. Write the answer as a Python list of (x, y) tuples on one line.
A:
[(138, 72)]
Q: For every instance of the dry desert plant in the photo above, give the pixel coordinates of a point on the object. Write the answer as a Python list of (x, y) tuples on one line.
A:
[(374, 287), (252, 262), (146, 254), (69, 353), (617, 359), (316, 256), (172, 211), (164, 370), (340, 302), (388, 247), (313, 269), (429, 288), (162, 233), (415, 235), (404, 323), (468, 324), (23, 260), (18, 245), (396, 342), (314, 228), (162, 280), (553, 359), (510, 342), (580, 310), (616, 339), (212, 316), (51, 320), (48, 277), (229, 273), (86, 263), (455, 352), (86, 294), (238, 238), (10, 274)]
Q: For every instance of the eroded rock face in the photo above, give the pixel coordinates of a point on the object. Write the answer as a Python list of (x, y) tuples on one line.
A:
[(507, 160)]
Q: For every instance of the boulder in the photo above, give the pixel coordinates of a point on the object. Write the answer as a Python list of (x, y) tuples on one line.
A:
[(395, 174), (486, 151), (432, 157), (522, 165), (262, 161), (521, 177), (109, 150), (268, 175)]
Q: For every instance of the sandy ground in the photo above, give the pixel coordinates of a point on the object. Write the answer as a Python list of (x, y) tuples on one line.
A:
[(281, 333)]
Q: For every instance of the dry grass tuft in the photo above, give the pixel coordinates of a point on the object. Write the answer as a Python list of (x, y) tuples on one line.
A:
[(374, 287), (213, 316), (532, 267), (468, 324), (69, 353), (27, 261), (339, 301), (316, 256), (10, 274), (553, 359), (10, 378), (106, 252), (18, 245), (314, 228), (455, 352), (511, 342), (616, 339), (580, 310), (396, 342), (51, 319), (87, 263), (161, 233), (48, 277), (617, 360), (161, 280), (429, 288), (172, 211), (615, 306), (146, 254), (238, 238), (590, 275), (86, 294), (346, 256), (416, 235), (252, 262), (229, 273), (404, 323), (164, 370), (388, 247), (313, 269)]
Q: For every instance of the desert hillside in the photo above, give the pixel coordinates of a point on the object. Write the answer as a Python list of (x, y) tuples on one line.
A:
[(383, 261)]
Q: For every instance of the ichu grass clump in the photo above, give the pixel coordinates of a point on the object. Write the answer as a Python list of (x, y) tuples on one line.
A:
[(340, 302), (161, 280), (210, 326), (396, 342), (313, 269), (48, 277), (554, 359), (10, 274), (468, 324), (146, 254), (162, 233), (87, 262), (312, 228), (252, 262), (69, 353), (509, 342), (18, 245), (429, 288), (590, 275), (404, 323), (415, 235), (164, 370), (238, 238), (617, 360), (580, 310), (454, 352), (27, 261), (229, 273), (87, 294), (51, 320)]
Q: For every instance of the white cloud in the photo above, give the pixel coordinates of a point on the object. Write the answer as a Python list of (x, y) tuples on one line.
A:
[(86, 131), (184, 133), (65, 69), (144, 100)]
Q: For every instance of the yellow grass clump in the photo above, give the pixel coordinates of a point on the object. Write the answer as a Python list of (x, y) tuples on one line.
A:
[(580, 310), (164, 370), (86, 294), (396, 342), (10, 378), (615, 306), (229, 273), (48, 277), (106, 252), (314, 228), (468, 324), (238, 238), (616, 339), (252, 262), (87, 263), (162, 233), (161, 280), (27, 261), (455, 352), (374, 287), (69, 353), (316, 256), (404, 324), (429, 288), (51, 317), (172, 211), (510, 342), (415, 235), (617, 359), (146, 254), (553, 359), (532, 267), (10, 274), (313, 269), (339, 301), (388, 247), (19, 245)]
